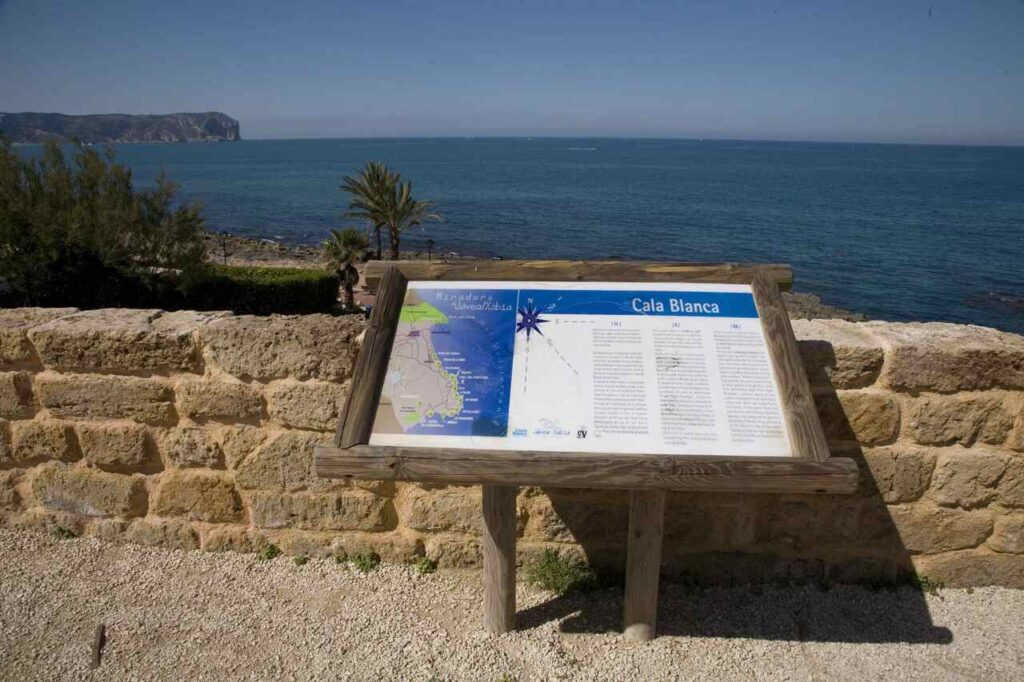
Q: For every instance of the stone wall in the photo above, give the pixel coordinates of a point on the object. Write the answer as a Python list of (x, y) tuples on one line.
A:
[(196, 430)]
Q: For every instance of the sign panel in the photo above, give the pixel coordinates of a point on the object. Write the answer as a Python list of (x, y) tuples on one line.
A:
[(602, 367)]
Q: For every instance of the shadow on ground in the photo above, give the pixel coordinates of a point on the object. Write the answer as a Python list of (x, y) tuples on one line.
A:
[(805, 614)]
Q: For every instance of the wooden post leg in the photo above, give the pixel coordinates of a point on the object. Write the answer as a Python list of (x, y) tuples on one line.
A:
[(499, 549), (643, 564)]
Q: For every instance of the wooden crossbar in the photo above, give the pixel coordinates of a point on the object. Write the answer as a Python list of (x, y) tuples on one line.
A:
[(580, 271)]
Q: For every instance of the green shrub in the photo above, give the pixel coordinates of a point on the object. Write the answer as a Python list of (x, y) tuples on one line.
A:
[(559, 574), (78, 233), (64, 533), (262, 291), (267, 553), (301, 560), (365, 562), (927, 585), (75, 232), (426, 565)]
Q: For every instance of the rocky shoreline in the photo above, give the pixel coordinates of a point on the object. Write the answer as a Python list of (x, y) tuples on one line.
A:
[(232, 249)]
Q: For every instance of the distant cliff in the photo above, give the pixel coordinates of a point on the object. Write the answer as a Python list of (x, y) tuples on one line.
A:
[(32, 127)]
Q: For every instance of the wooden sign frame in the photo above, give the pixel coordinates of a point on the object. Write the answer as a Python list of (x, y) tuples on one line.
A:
[(810, 469)]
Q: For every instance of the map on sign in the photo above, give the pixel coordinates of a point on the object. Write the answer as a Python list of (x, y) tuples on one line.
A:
[(581, 367), (451, 364)]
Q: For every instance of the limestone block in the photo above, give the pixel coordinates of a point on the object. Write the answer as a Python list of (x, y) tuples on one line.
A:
[(224, 537), (10, 500), (1016, 438), (455, 551), (190, 447), (900, 473), (168, 533), (16, 395), (6, 454), (445, 509), (15, 347), (219, 400), (691, 521), (284, 462), (866, 570), (806, 523), (305, 543), (869, 417), (239, 441), (876, 530), (944, 420), (197, 496), (1011, 485), (345, 510), (1008, 534), (306, 405), (929, 529), (391, 547), (48, 520), (967, 478), (543, 524), (946, 358), (300, 346), (838, 353), (119, 339), (150, 531), (972, 568), (529, 552), (116, 446), (106, 529), (41, 440), (574, 516), (89, 492), (105, 397)]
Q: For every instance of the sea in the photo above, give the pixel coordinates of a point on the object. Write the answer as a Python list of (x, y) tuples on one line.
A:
[(896, 232)]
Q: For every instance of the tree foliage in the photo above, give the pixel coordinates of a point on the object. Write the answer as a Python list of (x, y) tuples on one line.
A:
[(77, 233), (380, 198), (343, 250), (369, 190)]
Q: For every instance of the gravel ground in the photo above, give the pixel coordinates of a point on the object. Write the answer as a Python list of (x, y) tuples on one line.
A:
[(174, 615)]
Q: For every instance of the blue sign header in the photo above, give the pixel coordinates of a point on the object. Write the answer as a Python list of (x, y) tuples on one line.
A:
[(666, 303)]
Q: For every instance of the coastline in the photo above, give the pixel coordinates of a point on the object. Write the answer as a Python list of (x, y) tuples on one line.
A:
[(236, 250)]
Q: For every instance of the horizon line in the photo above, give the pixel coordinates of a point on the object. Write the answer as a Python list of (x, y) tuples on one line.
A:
[(975, 145), (1007, 145)]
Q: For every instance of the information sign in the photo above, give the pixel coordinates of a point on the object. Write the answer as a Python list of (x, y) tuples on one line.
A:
[(610, 367)]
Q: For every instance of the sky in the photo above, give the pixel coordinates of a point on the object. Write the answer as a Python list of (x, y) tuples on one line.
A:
[(896, 71)]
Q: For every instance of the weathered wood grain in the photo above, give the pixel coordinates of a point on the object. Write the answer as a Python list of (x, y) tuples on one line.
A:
[(588, 470), (643, 564), (580, 271), (499, 553), (356, 419), (806, 437)]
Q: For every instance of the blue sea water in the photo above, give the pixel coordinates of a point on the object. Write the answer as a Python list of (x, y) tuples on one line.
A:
[(895, 232)]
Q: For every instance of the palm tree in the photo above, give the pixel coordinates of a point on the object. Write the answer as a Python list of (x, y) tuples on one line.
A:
[(381, 198), (343, 250), (370, 190), (405, 212)]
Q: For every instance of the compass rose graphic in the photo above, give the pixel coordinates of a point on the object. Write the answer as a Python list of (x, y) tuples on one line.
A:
[(530, 320)]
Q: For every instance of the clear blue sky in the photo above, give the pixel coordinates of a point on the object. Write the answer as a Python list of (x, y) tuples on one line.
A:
[(946, 72)]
